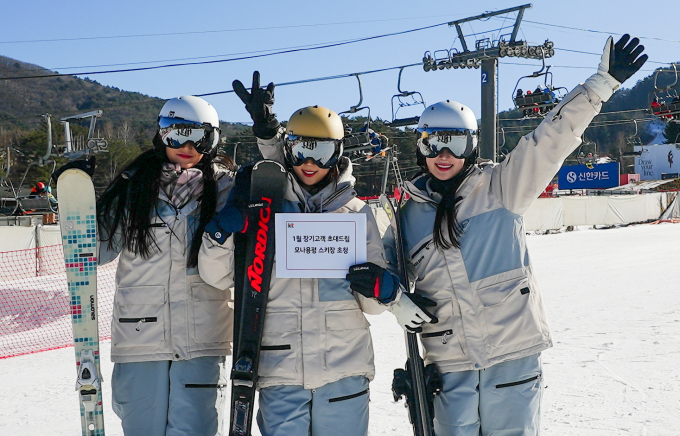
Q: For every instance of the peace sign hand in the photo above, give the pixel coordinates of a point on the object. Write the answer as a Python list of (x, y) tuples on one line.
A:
[(259, 103)]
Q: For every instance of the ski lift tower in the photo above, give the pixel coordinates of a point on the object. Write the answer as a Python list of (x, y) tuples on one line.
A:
[(486, 54)]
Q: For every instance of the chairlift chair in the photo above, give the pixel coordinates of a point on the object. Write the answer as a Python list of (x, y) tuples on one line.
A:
[(666, 102), (589, 159), (502, 151), (535, 105), (402, 122), (354, 143), (634, 139)]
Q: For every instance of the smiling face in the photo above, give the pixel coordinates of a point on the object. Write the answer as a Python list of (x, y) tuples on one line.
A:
[(309, 173), (445, 166), (186, 157)]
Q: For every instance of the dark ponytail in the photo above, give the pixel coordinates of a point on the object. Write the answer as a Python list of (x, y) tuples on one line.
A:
[(447, 236)]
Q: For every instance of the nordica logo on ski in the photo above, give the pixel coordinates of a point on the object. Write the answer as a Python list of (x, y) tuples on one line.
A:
[(256, 269)]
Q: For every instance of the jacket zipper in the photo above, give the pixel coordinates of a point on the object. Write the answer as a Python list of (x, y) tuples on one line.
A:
[(348, 397), (443, 333), (275, 347), (139, 321), (521, 382), (334, 196), (421, 247), (557, 114)]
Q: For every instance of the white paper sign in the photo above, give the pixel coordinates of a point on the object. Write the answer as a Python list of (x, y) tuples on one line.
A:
[(319, 245)]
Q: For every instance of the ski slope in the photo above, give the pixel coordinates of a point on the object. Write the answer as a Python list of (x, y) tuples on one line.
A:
[(613, 302)]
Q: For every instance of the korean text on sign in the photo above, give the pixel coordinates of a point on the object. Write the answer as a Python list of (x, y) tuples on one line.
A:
[(319, 245)]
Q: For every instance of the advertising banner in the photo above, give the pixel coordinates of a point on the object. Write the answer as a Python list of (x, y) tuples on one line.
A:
[(658, 162), (597, 176)]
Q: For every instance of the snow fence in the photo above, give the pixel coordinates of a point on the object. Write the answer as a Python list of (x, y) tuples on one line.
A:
[(555, 213)]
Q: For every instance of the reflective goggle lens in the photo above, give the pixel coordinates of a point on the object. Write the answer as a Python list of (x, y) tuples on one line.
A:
[(459, 142), (324, 152), (176, 133)]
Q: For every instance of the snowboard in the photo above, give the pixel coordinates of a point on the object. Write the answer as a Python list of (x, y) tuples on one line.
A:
[(254, 260), (78, 221)]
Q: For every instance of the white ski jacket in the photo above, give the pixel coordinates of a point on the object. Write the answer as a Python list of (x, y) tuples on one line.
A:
[(162, 310), (314, 330), (489, 304)]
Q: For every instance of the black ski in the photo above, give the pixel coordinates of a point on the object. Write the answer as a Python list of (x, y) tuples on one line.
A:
[(254, 259), (417, 383)]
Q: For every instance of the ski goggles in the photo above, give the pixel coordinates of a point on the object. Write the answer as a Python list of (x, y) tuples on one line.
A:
[(324, 152), (460, 142), (176, 133)]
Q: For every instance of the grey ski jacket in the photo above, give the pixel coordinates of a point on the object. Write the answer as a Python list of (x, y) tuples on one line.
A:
[(489, 303), (314, 331), (162, 310)]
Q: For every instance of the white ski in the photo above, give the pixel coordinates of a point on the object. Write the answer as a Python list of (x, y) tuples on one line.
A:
[(78, 221)]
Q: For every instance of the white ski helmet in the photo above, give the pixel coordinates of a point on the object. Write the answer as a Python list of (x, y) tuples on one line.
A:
[(447, 124), (189, 119)]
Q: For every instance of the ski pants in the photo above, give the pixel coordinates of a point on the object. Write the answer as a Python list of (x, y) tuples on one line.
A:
[(503, 400), (166, 398), (335, 409)]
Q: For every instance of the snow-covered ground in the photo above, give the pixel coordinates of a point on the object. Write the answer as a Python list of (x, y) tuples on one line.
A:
[(613, 299)]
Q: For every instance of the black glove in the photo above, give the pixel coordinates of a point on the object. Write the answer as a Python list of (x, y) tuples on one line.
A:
[(373, 281), (625, 59), (619, 62), (259, 103), (233, 216)]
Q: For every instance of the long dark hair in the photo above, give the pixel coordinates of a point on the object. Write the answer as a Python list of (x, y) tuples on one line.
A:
[(125, 209), (447, 236)]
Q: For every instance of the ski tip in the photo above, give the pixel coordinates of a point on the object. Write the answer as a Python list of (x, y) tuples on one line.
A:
[(86, 165), (269, 162)]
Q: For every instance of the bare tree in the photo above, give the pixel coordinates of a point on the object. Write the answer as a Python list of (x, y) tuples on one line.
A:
[(124, 132)]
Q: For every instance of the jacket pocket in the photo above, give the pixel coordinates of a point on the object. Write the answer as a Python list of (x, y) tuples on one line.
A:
[(348, 342), (511, 316), (442, 341), (499, 292), (213, 318), (138, 317), (280, 350)]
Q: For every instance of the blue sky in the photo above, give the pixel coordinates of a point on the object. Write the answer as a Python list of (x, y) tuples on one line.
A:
[(78, 36)]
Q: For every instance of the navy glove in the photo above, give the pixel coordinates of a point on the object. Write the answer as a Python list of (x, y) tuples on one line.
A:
[(233, 216), (259, 103), (373, 281)]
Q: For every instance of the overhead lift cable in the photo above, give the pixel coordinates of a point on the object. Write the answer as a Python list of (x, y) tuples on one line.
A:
[(89, 73)]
